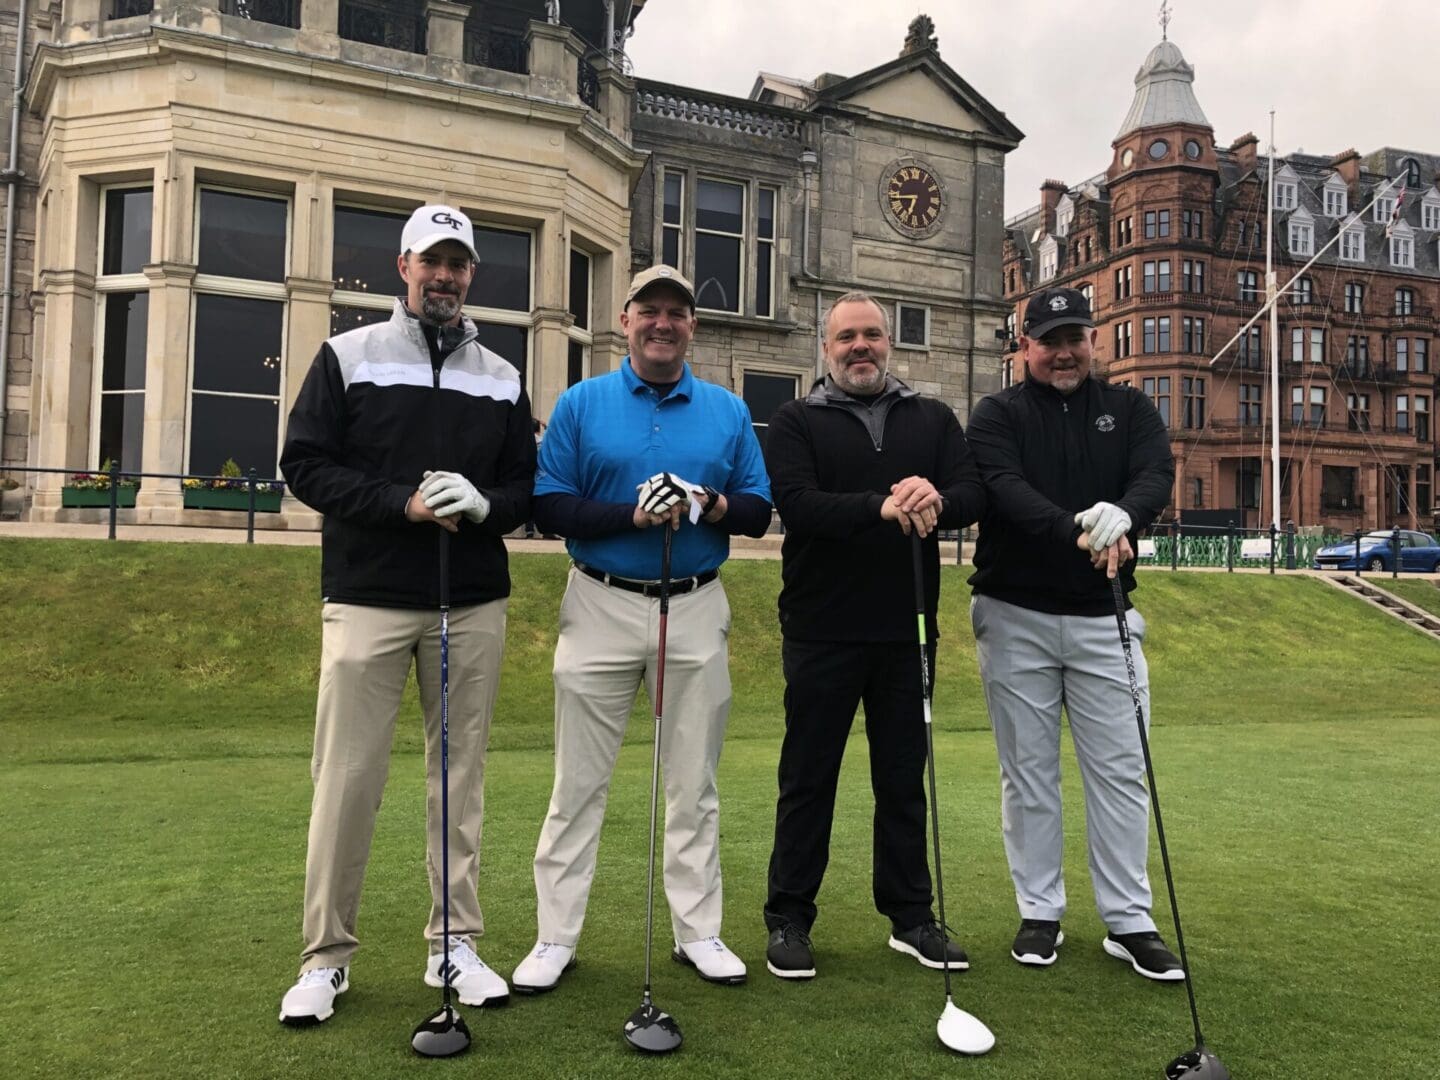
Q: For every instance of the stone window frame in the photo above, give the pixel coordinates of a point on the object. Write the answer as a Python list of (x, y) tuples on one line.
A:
[(241, 288), (575, 334), (771, 369), (923, 346), (105, 284)]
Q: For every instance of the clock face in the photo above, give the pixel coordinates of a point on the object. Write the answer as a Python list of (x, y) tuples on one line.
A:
[(913, 197)]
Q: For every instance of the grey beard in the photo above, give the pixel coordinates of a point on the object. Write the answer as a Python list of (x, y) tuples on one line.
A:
[(439, 307)]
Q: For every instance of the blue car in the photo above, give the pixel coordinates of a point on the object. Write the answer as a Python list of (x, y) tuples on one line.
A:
[(1419, 552)]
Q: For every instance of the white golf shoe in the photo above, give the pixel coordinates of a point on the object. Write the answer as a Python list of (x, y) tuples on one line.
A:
[(312, 999), (542, 967), (471, 978), (712, 960)]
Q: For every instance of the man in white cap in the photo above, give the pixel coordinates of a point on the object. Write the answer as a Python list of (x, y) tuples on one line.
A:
[(401, 429), (642, 429)]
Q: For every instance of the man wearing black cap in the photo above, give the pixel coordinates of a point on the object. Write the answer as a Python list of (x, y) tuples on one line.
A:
[(1073, 467)]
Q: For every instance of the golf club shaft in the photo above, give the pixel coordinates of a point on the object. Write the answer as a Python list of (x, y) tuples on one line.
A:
[(655, 755), (919, 565), (445, 756), (1119, 591)]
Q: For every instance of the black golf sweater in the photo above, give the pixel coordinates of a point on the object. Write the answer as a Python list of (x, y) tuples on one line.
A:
[(848, 575), (1044, 457)]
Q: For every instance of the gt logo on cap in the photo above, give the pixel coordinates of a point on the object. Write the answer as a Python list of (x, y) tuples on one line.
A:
[(444, 218)]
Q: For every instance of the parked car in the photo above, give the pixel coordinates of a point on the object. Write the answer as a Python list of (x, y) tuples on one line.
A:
[(1419, 552)]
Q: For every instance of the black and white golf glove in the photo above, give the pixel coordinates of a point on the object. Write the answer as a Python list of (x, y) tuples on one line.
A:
[(662, 491)]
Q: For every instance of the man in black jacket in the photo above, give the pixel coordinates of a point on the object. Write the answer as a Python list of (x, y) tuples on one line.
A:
[(855, 467), (1072, 467), (401, 429)]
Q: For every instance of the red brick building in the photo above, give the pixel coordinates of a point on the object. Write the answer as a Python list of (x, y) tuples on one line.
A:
[(1169, 241)]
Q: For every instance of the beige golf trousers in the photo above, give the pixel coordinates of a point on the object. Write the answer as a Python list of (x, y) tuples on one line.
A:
[(365, 658)]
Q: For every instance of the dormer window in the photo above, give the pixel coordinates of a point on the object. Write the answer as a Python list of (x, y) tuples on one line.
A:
[(1402, 247), (1384, 207), (1337, 198), (1049, 258), (1430, 210), (1064, 216), (1352, 243), (1412, 173), (1302, 234), (1287, 188)]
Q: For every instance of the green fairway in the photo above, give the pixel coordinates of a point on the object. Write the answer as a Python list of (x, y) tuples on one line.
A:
[(156, 707)]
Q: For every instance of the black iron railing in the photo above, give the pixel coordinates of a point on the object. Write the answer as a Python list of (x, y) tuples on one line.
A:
[(275, 12), (587, 81), (503, 50), (390, 25)]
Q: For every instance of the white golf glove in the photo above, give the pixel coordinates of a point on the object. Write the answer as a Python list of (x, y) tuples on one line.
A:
[(449, 493), (664, 490), (1105, 522)]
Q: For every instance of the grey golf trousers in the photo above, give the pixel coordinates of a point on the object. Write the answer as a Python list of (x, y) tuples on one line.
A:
[(1031, 664)]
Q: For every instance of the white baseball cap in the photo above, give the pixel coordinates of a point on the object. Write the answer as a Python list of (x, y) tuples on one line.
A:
[(431, 225)]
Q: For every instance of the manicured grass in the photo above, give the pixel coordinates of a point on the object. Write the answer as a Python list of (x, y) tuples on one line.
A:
[(155, 716)]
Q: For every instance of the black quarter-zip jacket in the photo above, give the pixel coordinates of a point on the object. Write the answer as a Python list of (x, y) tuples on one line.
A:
[(1045, 456), (380, 405), (847, 574)]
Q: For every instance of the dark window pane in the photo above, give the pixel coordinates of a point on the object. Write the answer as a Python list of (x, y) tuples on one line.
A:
[(575, 364), (912, 325), (580, 288), (674, 187), (126, 319), (122, 423), (717, 272), (502, 280), (233, 427), (766, 393), (242, 236), (762, 278), (237, 344), (366, 243), (767, 213), (670, 251), (351, 318), (511, 342), (720, 206), (127, 230)]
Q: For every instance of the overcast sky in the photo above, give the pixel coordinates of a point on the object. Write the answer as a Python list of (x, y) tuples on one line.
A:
[(1337, 73)]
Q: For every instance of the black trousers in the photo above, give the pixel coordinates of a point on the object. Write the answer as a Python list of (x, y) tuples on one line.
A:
[(824, 682)]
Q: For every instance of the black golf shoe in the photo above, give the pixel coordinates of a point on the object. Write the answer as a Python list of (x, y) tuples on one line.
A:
[(1147, 953), (926, 944), (1036, 942), (788, 955)]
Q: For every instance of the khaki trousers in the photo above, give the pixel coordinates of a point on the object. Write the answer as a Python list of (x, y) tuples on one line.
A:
[(365, 658), (607, 646)]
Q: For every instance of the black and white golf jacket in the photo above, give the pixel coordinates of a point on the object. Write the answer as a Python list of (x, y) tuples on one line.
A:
[(379, 407)]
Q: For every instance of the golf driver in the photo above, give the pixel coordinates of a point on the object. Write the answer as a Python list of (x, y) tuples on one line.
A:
[(1198, 1063), (957, 1029), (444, 1034), (648, 1028)]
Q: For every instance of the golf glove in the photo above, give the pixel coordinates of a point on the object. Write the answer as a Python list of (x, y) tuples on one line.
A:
[(664, 490), (449, 493), (1105, 522)]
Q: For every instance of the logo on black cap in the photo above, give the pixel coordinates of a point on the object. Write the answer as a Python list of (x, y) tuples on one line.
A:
[(1051, 308)]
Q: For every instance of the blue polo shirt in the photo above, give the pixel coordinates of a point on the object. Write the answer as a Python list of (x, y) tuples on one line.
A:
[(611, 433)]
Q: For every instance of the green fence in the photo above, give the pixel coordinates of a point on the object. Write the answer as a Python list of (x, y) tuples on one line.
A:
[(1210, 550)]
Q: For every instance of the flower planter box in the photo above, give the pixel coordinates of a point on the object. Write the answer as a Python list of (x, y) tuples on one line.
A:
[(231, 499), (75, 497)]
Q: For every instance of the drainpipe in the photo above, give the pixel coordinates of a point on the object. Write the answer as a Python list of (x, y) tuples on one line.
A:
[(12, 181)]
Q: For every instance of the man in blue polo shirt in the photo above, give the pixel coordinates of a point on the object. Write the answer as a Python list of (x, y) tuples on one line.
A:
[(653, 428)]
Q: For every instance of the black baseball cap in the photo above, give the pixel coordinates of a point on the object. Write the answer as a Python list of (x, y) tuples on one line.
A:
[(1050, 308)]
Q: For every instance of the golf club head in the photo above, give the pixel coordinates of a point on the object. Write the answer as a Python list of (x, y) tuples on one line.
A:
[(652, 1031), (442, 1035), (1197, 1064), (963, 1033)]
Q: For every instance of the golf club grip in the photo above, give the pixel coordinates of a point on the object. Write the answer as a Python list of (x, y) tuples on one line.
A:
[(665, 568), (444, 569)]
